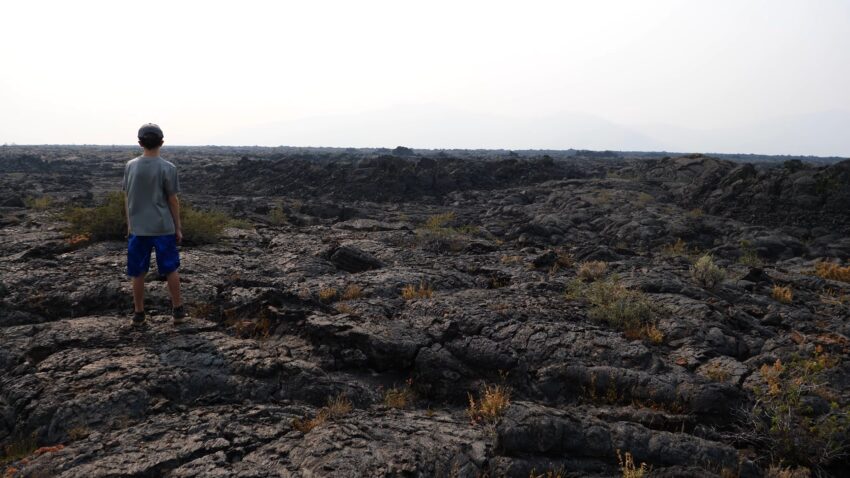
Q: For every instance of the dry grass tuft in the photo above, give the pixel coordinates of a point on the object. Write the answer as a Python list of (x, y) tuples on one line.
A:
[(400, 397), (337, 407), (492, 403), (353, 291), (776, 471), (592, 270), (328, 294), (557, 473), (832, 271), (628, 467), (782, 294), (678, 248), (423, 291)]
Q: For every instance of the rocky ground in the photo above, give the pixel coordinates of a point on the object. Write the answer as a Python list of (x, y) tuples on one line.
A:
[(341, 330)]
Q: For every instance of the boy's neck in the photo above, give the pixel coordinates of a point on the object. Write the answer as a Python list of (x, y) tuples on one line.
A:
[(151, 153)]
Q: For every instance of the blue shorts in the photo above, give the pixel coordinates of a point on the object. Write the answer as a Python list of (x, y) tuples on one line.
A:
[(139, 254)]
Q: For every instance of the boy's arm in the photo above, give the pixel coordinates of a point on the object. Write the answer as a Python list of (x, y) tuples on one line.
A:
[(127, 213), (174, 206)]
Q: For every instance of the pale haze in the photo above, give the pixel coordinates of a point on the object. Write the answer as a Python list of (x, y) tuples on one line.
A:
[(723, 76)]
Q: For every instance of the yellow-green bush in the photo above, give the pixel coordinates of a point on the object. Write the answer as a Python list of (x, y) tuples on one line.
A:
[(622, 308), (707, 273)]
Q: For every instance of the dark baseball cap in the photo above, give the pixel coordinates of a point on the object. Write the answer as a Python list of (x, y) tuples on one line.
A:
[(150, 130)]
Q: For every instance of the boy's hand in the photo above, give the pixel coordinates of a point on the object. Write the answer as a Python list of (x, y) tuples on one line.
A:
[(178, 235)]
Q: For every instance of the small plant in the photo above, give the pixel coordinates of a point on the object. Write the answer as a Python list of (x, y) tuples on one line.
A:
[(42, 203), (591, 270), (557, 473), (439, 222), (277, 216), (716, 373), (108, 221), (678, 248), (423, 291), (565, 259), (782, 294), (706, 273), (343, 308), (831, 271), (749, 256), (643, 199), (437, 234), (327, 294), (78, 433), (784, 424), (776, 471), (400, 397), (337, 407), (353, 291), (628, 467), (492, 403), (506, 259), (19, 449), (622, 308), (695, 213)]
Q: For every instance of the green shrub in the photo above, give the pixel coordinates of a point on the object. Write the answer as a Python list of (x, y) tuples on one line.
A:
[(42, 203), (706, 273), (108, 221), (104, 222), (277, 215), (624, 309)]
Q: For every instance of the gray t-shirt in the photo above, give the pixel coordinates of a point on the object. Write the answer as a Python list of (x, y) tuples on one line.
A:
[(148, 182)]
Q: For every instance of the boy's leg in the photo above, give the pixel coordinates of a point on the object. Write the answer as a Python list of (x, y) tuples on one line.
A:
[(139, 293), (138, 262), (167, 263), (174, 288)]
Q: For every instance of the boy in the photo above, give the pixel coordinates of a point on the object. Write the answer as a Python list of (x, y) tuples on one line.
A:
[(153, 221)]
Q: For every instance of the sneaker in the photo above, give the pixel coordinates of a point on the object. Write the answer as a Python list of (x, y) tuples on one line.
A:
[(138, 318), (178, 313)]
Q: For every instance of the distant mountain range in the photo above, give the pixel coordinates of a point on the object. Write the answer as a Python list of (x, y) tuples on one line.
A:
[(822, 134)]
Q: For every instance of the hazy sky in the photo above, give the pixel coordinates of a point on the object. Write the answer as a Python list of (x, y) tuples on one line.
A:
[(768, 76)]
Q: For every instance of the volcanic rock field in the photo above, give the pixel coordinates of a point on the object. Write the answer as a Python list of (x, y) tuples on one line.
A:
[(385, 313)]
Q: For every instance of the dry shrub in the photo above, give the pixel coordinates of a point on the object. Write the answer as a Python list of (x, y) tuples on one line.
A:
[(327, 294), (776, 471), (592, 270), (565, 259), (353, 291), (832, 271), (344, 309), (678, 248), (78, 433), (492, 403), (782, 294), (506, 259), (337, 407), (423, 291), (557, 473), (400, 397), (628, 467), (706, 273)]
